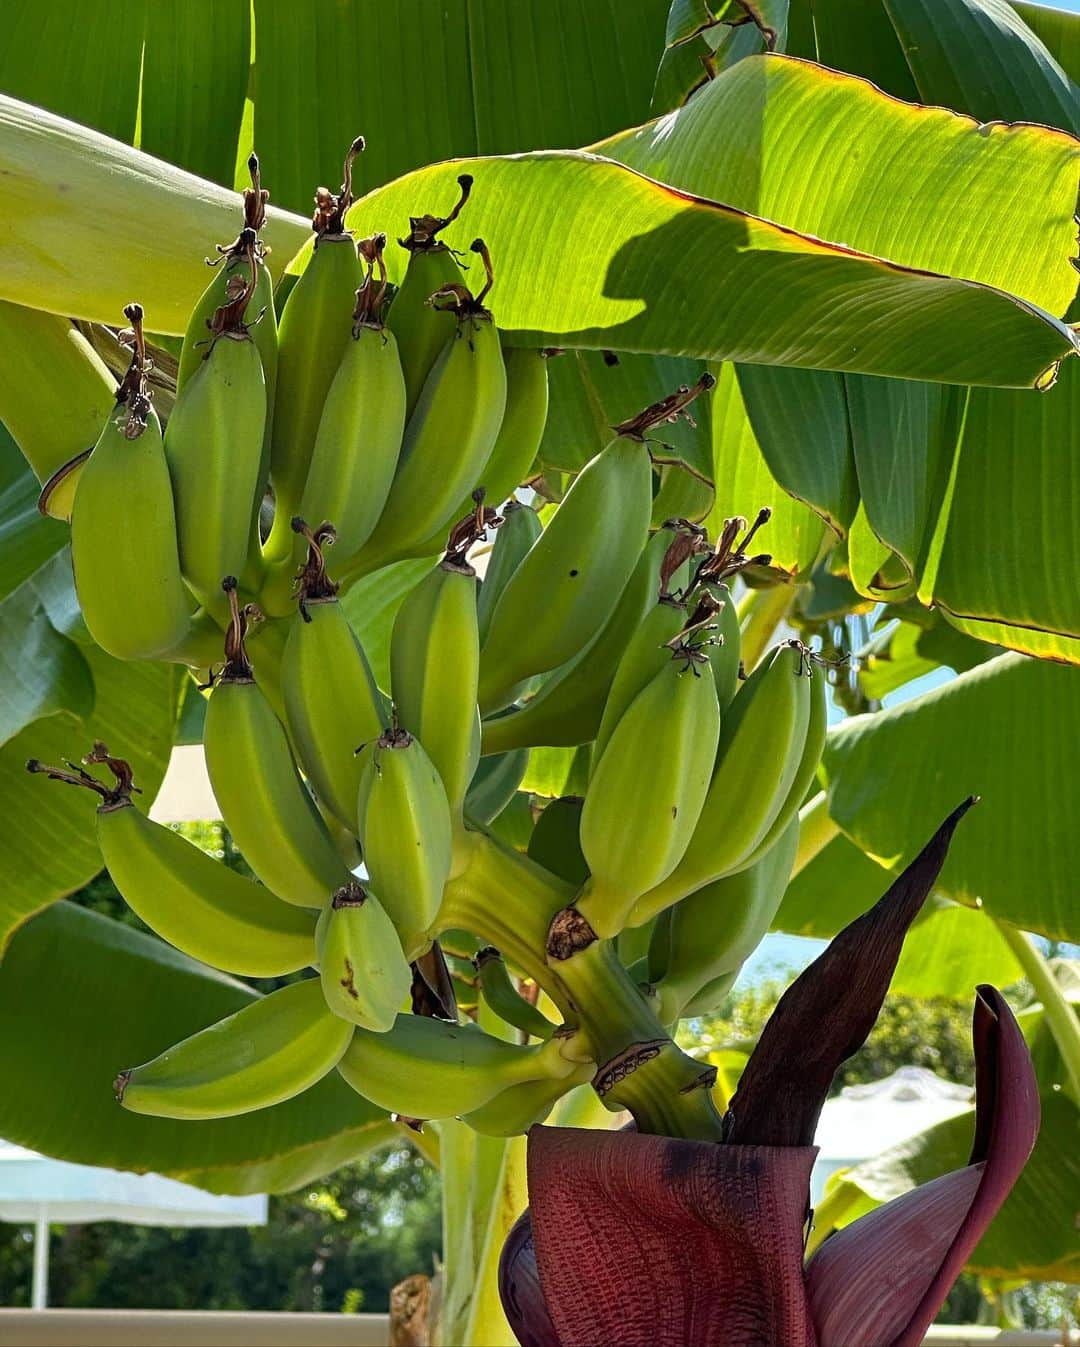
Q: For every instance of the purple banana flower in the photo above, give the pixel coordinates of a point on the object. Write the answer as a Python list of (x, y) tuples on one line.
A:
[(648, 1241)]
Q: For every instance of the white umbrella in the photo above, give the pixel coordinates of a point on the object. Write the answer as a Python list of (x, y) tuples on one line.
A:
[(35, 1190), (864, 1120)]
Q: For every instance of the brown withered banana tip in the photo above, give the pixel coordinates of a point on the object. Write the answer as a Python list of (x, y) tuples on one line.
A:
[(469, 530), (330, 208), (312, 584), (423, 229), (668, 409)]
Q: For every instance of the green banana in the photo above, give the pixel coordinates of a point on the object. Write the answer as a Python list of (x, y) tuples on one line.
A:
[(724, 653), (429, 1069), (421, 330), (363, 419), (570, 581), (434, 654), (365, 977), (449, 435), (715, 929), (192, 901), (495, 783), (519, 530), (270, 1050), (647, 790), (214, 448), (762, 740), (523, 423), (503, 997), (263, 800), (569, 704), (316, 327), (331, 700), (405, 830), (514, 1110), (123, 528), (556, 840), (710, 997)]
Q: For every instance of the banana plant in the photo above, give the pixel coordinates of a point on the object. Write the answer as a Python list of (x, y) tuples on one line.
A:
[(868, 348)]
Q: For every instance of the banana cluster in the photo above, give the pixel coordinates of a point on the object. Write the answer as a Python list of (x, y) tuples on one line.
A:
[(377, 423)]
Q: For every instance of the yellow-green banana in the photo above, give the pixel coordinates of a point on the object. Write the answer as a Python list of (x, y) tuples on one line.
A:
[(404, 826), (214, 448), (724, 653), (262, 798), (268, 1051), (567, 708), (761, 746), (523, 423), (428, 1068), (434, 654), (360, 431), (648, 788), (331, 701), (495, 783), (571, 580), (421, 330), (514, 1110), (503, 997), (192, 901), (449, 435), (123, 528), (715, 929), (519, 530), (316, 326), (365, 977)]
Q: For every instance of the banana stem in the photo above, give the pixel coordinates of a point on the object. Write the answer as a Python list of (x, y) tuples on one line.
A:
[(816, 830), (760, 613), (1060, 1014)]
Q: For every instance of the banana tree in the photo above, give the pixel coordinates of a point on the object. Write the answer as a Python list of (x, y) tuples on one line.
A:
[(866, 346)]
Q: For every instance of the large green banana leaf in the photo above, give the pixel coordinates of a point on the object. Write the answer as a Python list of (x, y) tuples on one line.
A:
[(83, 997), (1006, 731)]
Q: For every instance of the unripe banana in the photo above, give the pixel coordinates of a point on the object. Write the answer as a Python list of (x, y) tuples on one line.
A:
[(711, 996), (513, 1111), (556, 840), (648, 788), (568, 707), (495, 783), (271, 1050), (332, 703), (428, 1068), (365, 977), (571, 580), (404, 826), (724, 653), (361, 427), (421, 330), (523, 423), (316, 326), (762, 740), (503, 997), (123, 528), (449, 435), (714, 930), (192, 901), (519, 530), (214, 448), (262, 798), (434, 657)]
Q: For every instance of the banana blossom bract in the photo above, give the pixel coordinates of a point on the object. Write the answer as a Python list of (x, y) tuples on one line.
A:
[(654, 1241)]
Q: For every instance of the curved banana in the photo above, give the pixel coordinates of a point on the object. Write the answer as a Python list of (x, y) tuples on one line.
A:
[(123, 528), (428, 1068), (265, 804), (569, 704), (647, 790), (405, 830), (503, 997), (422, 331), (514, 1110), (331, 701), (316, 326), (714, 930), (570, 582), (495, 783), (519, 530), (761, 745), (724, 653), (710, 997), (523, 423), (192, 901), (270, 1050), (360, 430), (214, 448), (365, 977), (449, 435)]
